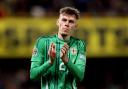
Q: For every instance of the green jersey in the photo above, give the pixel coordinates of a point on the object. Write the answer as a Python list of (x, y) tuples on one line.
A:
[(58, 75)]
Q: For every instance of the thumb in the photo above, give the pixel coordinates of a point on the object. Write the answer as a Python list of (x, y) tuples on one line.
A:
[(53, 47)]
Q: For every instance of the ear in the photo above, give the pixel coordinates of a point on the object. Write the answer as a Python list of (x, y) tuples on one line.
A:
[(76, 25), (57, 22)]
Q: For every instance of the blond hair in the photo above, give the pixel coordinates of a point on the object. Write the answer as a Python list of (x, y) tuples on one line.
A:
[(70, 11)]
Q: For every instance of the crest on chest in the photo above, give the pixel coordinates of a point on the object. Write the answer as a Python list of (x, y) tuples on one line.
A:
[(73, 50)]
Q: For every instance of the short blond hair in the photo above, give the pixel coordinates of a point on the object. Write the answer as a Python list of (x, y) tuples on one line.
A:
[(70, 11)]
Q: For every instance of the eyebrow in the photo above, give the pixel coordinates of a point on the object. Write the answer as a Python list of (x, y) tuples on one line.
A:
[(71, 21)]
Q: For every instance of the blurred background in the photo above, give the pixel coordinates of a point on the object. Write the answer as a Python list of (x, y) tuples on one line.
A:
[(103, 25)]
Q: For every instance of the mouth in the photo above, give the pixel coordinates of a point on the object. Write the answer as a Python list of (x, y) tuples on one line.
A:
[(65, 29)]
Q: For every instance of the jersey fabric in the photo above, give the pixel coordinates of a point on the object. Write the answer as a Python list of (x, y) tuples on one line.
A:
[(58, 75)]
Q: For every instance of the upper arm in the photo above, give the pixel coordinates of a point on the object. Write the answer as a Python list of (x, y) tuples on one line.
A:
[(37, 54), (81, 58)]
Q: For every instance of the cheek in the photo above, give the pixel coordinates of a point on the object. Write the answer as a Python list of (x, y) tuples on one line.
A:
[(73, 26), (59, 24)]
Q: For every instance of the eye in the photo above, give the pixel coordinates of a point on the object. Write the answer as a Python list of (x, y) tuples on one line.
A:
[(64, 19), (71, 21)]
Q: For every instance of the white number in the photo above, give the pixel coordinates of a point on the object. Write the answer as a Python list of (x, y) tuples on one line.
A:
[(61, 67)]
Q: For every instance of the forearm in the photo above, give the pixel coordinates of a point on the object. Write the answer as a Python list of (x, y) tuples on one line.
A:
[(38, 71), (77, 72)]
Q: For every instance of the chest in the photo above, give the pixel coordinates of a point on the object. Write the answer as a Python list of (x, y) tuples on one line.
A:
[(59, 66)]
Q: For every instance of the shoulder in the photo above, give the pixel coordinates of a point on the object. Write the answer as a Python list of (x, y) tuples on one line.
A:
[(46, 37), (42, 39), (79, 41)]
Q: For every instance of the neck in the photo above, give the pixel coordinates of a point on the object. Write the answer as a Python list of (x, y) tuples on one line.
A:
[(63, 37)]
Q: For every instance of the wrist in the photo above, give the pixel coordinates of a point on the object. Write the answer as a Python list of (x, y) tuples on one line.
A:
[(65, 60), (50, 62)]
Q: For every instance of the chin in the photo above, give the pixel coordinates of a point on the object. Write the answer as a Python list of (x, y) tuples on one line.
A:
[(64, 34)]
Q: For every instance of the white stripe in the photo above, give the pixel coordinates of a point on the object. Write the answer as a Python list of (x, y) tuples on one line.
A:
[(74, 87), (46, 84)]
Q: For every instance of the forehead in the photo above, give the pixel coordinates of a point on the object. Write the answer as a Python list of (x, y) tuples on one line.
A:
[(66, 16)]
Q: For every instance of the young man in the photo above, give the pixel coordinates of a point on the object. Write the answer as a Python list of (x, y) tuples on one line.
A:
[(59, 60)]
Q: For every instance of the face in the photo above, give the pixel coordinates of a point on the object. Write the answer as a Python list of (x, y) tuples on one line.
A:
[(67, 24)]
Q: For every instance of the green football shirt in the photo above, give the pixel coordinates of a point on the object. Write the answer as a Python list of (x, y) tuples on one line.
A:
[(58, 75)]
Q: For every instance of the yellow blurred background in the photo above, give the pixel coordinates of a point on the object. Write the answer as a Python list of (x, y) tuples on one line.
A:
[(105, 37)]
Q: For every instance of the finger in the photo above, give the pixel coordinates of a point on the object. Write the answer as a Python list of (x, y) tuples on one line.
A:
[(66, 46), (63, 48), (51, 45), (61, 54), (50, 48), (53, 48), (63, 51)]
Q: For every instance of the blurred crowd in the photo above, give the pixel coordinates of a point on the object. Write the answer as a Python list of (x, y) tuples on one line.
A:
[(100, 74), (14, 74), (39, 8)]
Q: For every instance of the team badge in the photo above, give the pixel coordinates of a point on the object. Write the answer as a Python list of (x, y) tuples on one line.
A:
[(73, 51), (34, 52), (82, 56)]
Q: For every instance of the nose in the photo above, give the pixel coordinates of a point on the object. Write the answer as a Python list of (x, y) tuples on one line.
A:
[(67, 23)]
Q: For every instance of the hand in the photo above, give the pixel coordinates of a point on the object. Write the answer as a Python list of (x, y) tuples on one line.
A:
[(52, 52), (64, 52)]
